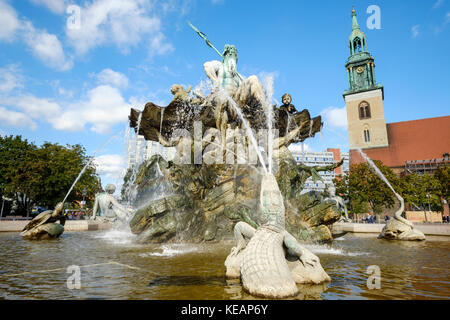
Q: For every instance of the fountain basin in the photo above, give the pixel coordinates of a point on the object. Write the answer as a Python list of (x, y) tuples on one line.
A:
[(70, 225), (411, 270)]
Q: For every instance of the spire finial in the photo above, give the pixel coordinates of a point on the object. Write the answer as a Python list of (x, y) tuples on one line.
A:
[(354, 20)]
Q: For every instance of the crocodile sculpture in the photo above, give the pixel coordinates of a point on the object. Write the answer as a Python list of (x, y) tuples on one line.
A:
[(272, 261)]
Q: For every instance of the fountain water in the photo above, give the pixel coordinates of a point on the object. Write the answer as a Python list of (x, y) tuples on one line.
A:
[(268, 85), (398, 228), (88, 163), (248, 129), (130, 190), (162, 118), (375, 168)]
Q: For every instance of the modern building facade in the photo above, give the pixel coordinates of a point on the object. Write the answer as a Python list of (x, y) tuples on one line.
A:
[(326, 158)]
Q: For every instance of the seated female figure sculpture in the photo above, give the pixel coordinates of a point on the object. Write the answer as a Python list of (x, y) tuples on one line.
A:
[(107, 208)]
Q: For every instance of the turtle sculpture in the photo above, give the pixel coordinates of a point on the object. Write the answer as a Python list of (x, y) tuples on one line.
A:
[(45, 226), (272, 261)]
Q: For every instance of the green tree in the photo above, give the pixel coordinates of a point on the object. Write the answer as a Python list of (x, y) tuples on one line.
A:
[(423, 191), (60, 167), (33, 175), (18, 171), (443, 175), (365, 189)]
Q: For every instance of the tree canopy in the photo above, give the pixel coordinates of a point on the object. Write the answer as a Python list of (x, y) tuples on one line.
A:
[(43, 175), (367, 192), (365, 189)]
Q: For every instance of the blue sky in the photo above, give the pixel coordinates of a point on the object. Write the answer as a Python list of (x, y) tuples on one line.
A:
[(71, 86)]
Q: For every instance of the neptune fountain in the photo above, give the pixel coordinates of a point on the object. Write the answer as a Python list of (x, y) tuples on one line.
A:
[(233, 176)]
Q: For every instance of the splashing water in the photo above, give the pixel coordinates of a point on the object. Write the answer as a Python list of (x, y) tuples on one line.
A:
[(268, 86), (370, 162), (87, 164), (117, 236), (170, 250), (329, 250), (377, 171), (224, 94), (162, 117), (303, 151), (130, 188)]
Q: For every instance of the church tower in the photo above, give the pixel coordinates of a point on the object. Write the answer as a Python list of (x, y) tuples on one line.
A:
[(364, 98)]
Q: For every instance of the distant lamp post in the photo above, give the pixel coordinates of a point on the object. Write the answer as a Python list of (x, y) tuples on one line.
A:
[(84, 193), (429, 209), (3, 204)]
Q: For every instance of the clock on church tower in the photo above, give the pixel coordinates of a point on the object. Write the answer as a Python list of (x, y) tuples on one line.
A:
[(364, 97)]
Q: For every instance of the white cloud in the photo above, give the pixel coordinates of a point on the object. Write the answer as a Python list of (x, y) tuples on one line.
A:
[(36, 108), (123, 23), (65, 92), (10, 78), (103, 108), (335, 117), (437, 4), (415, 31), (108, 76), (159, 46), (55, 6), (110, 165), (46, 47), (440, 28), (16, 119), (182, 7), (9, 22)]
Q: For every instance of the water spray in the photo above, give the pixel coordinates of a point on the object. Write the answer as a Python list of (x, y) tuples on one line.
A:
[(88, 163)]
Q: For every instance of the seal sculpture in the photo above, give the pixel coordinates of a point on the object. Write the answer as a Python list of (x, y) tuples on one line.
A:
[(273, 261), (44, 225)]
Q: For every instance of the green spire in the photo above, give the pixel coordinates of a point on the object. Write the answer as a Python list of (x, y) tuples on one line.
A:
[(360, 64), (355, 25), (357, 39)]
